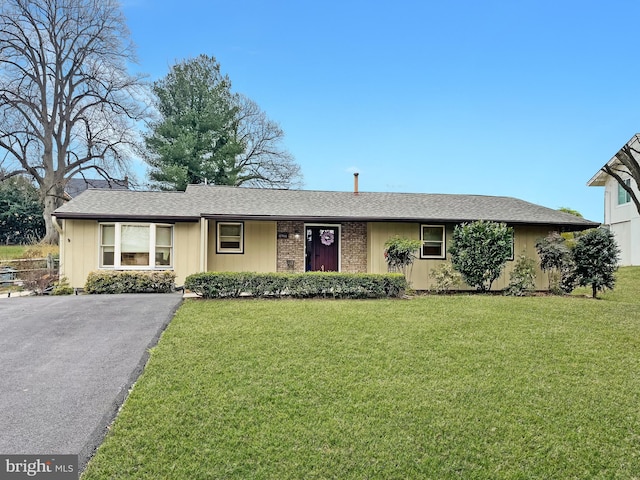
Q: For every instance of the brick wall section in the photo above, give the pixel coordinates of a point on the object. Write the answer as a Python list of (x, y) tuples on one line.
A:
[(354, 247), (290, 249)]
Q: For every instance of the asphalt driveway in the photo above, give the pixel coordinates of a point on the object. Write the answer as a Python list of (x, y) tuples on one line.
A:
[(67, 364)]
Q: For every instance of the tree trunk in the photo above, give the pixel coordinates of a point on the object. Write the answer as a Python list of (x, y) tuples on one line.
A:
[(53, 197), (595, 290)]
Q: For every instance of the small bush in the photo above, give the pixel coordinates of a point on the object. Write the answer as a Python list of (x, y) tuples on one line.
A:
[(555, 252), (297, 285), (130, 282), (446, 277), (399, 253), (522, 280), (62, 287), (35, 271)]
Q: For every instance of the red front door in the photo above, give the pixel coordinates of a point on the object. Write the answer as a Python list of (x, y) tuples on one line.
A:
[(322, 249)]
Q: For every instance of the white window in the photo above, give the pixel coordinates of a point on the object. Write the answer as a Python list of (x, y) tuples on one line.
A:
[(230, 237), (623, 195), (136, 245), (107, 245), (164, 245), (433, 241)]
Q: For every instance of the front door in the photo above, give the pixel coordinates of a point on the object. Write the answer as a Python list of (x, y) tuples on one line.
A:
[(322, 248)]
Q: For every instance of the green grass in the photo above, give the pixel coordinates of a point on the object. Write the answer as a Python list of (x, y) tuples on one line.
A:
[(627, 287), (481, 387), (10, 252)]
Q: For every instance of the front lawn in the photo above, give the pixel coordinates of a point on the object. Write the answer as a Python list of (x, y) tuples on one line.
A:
[(435, 387)]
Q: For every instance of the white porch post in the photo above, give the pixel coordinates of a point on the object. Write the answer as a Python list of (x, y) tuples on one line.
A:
[(204, 241)]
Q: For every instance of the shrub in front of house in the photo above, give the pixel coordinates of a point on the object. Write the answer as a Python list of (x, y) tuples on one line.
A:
[(130, 282), (62, 287), (522, 279), (445, 277), (296, 285), (479, 251), (556, 258)]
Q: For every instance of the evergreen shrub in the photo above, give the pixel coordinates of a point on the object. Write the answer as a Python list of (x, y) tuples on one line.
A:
[(296, 285), (127, 281)]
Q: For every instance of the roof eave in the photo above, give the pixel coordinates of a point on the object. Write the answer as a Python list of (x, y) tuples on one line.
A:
[(581, 225), (126, 218), (599, 179)]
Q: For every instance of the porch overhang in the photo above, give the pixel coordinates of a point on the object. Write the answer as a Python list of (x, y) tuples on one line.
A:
[(566, 226)]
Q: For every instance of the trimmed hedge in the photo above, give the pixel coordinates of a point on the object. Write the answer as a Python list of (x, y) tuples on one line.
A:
[(297, 285), (130, 282)]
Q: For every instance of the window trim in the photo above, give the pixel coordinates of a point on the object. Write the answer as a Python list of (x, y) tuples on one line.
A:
[(225, 250), (512, 257), (622, 191), (101, 245), (117, 247), (443, 253)]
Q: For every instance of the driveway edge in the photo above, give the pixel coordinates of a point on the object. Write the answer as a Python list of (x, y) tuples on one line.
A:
[(100, 432)]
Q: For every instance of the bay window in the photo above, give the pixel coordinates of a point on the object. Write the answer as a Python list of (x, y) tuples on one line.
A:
[(136, 245)]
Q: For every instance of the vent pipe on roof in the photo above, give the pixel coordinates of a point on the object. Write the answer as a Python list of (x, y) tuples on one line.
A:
[(355, 183)]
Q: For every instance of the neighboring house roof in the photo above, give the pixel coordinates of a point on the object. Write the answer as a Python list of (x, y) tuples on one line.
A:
[(75, 186), (600, 178), (256, 203)]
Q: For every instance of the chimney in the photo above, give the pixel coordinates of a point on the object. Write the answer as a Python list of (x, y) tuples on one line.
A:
[(355, 183)]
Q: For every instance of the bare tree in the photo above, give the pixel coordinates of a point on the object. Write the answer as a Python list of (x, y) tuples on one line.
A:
[(264, 162), (67, 102), (628, 158)]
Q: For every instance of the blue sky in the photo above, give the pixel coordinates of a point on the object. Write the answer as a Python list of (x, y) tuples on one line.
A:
[(518, 98)]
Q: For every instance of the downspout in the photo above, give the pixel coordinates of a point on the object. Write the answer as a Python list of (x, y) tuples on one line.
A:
[(61, 243), (56, 225)]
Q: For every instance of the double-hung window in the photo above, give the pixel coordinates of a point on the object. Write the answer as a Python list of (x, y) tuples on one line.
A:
[(136, 245), (623, 195), (433, 241), (230, 237)]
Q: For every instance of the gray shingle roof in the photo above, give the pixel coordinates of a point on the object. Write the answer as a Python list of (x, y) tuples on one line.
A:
[(110, 204), (245, 203)]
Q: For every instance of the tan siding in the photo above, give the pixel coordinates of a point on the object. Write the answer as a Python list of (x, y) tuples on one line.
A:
[(80, 255), (524, 242), (259, 250), (80, 250), (378, 233), (186, 251)]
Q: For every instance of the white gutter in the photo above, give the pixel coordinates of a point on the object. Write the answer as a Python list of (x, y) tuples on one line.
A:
[(56, 225)]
